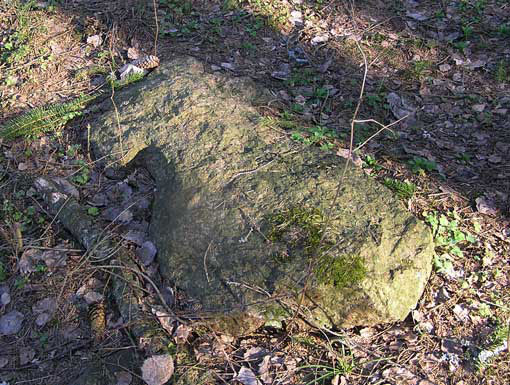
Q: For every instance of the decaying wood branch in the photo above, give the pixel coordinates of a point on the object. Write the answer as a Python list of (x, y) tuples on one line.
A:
[(110, 256)]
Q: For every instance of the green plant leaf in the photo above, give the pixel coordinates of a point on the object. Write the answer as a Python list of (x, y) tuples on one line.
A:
[(458, 236), (455, 250), (443, 221), (431, 219), (93, 211), (470, 238), (10, 81)]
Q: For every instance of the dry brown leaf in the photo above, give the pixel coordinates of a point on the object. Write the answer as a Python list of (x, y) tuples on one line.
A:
[(54, 259), (486, 206), (344, 153), (146, 253), (93, 297), (135, 236), (46, 305), (165, 320), (133, 53), (22, 166), (255, 353), (27, 261), (246, 377), (157, 370), (403, 376), (5, 296), (181, 334), (94, 40), (26, 355), (264, 372), (42, 319)]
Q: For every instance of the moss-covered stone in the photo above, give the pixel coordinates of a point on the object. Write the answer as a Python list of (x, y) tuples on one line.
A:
[(244, 217)]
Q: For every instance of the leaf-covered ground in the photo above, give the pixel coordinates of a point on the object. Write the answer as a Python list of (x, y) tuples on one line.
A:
[(444, 67)]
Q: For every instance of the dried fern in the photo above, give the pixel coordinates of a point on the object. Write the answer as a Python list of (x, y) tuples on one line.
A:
[(45, 119)]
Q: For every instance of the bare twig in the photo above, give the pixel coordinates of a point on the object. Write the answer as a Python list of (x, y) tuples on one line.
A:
[(384, 127), (205, 261), (112, 86), (358, 106), (157, 27), (325, 225), (91, 163), (249, 171), (150, 281)]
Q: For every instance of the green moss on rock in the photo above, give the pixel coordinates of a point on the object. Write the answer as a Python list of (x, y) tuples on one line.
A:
[(341, 270), (301, 229)]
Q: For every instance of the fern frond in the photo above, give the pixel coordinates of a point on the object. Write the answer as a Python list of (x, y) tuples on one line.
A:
[(45, 119)]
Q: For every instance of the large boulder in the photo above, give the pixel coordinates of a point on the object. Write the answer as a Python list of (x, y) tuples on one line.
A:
[(251, 225)]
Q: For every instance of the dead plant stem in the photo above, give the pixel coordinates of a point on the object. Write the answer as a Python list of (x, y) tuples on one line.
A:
[(384, 127), (157, 28), (112, 86), (151, 282), (337, 193)]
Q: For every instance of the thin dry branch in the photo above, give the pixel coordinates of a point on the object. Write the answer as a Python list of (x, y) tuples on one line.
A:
[(383, 128), (157, 27)]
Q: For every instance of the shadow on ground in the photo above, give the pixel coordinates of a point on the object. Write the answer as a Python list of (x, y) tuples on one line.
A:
[(426, 57)]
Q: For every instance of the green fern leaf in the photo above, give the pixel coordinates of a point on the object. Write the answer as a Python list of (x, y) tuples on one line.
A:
[(45, 119)]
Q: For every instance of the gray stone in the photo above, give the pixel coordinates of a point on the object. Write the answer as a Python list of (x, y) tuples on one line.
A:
[(244, 218)]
